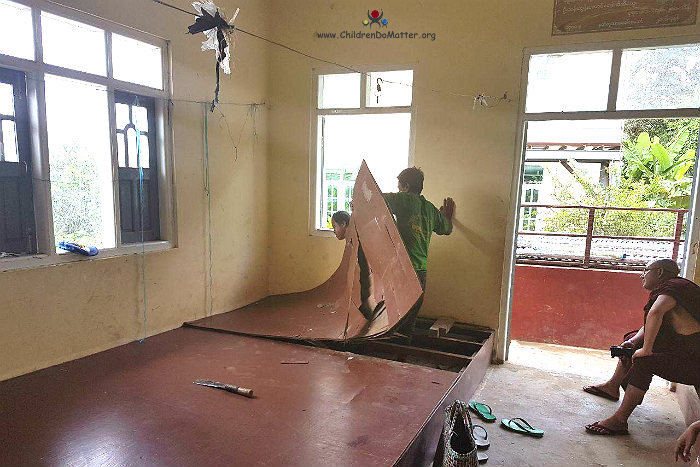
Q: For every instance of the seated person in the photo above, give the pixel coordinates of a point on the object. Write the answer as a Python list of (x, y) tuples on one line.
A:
[(668, 345), (686, 441), (416, 220), (369, 308)]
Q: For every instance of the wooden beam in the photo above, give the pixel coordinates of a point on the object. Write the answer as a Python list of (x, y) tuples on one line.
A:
[(400, 350), (441, 327), (446, 344)]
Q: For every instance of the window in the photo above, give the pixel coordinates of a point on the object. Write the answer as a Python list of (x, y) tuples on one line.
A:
[(660, 78), (138, 182), (533, 174), (358, 116), (16, 31), (568, 82), (642, 78), (98, 155), (530, 214), (17, 235), (137, 62), (73, 44), (82, 197)]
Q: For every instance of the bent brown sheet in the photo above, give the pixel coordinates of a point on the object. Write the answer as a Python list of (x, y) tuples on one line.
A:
[(331, 310)]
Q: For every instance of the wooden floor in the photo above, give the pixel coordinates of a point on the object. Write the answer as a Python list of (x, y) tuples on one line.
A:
[(136, 405)]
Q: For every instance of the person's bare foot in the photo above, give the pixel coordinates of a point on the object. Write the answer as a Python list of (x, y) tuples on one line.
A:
[(603, 390)]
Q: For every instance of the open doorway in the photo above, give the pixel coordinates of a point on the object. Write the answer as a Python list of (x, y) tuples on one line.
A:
[(604, 182), (599, 200)]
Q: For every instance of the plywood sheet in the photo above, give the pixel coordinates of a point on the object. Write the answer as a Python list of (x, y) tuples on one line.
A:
[(135, 405), (580, 16), (331, 310)]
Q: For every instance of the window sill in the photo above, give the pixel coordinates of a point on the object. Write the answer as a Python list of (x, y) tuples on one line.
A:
[(321, 233), (43, 260)]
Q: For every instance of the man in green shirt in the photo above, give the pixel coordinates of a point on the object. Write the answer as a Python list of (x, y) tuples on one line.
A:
[(416, 220)]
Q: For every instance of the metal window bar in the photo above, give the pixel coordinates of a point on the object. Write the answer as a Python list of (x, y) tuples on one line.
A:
[(586, 261)]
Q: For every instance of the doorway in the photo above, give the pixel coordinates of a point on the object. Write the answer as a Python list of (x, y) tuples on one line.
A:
[(604, 181)]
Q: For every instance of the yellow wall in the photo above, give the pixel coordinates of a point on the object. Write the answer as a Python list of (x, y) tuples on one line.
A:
[(54, 314), (467, 154), (260, 202)]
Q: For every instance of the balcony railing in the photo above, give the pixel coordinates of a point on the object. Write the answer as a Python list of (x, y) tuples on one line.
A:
[(640, 249)]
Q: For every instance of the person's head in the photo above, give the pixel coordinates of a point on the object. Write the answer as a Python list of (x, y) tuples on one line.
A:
[(411, 180), (659, 271), (340, 221)]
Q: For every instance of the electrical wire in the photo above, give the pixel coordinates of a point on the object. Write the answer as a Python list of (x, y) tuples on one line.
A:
[(480, 99), (207, 190), (143, 244)]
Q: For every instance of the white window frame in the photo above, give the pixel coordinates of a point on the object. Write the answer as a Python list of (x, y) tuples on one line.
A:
[(610, 113), (315, 158), (35, 71)]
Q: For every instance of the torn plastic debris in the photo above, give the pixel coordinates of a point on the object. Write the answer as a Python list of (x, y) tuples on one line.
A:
[(213, 24)]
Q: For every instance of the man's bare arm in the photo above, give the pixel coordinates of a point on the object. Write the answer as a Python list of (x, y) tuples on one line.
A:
[(662, 305), (635, 340)]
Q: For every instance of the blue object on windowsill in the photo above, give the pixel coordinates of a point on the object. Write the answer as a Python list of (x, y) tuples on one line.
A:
[(78, 248)]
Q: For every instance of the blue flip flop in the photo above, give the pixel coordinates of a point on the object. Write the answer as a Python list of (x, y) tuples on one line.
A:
[(520, 425)]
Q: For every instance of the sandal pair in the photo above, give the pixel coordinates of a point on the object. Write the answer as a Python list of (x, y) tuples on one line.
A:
[(518, 425)]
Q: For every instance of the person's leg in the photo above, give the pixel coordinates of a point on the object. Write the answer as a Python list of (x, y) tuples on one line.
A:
[(612, 386), (618, 421), (368, 302), (408, 326), (668, 366)]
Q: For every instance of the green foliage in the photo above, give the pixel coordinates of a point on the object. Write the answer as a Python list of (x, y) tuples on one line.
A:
[(655, 174), (611, 222), (665, 128), (647, 158), (75, 196)]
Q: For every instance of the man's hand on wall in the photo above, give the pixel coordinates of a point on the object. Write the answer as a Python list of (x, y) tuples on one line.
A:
[(448, 208)]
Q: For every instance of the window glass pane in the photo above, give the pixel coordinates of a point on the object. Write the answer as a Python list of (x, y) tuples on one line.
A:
[(9, 141), (140, 115), (16, 32), (661, 78), (382, 140), (568, 82), (131, 146), (122, 115), (144, 151), (72, 44), (121, 152), (80, 162), (341, 91), (137, 62), (7, 100), (396, 88), (136, 152)]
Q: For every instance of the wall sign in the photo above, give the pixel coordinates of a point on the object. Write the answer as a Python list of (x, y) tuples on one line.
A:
[(579, 16)]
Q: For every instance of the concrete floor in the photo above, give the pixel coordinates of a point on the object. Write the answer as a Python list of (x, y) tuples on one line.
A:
[(542, 383)]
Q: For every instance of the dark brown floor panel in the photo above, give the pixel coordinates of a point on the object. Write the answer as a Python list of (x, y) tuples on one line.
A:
[(331, 310), (136, 405)]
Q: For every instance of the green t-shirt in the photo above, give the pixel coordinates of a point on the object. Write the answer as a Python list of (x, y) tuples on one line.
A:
[(416, 219)]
